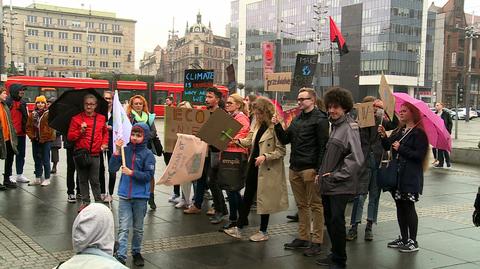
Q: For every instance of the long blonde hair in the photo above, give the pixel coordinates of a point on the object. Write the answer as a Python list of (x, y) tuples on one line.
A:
[(130, 104), (238, 99), (266, 108)]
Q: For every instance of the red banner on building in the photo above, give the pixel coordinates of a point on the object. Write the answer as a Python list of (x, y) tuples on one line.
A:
[(268, 52)]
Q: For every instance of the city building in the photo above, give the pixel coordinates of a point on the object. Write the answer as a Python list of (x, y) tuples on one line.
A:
[(46, 40), (450, 67), (150, 63), (198, 49), (383, 36)]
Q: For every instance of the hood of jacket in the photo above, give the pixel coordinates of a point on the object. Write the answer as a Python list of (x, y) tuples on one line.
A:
[(143, 127), (14, 90), (94, 228)]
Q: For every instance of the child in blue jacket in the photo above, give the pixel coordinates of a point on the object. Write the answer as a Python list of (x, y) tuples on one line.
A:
[(133, 190)]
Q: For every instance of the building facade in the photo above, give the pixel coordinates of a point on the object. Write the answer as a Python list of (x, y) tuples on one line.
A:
[(383, 36), (150, 63), (198, 49), (46, 40)]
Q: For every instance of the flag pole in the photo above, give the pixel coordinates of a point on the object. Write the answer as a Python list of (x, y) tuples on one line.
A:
[(122, 149), (331, 62)]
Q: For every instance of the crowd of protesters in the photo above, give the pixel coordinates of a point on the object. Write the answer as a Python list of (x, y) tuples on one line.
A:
[(332, 162)]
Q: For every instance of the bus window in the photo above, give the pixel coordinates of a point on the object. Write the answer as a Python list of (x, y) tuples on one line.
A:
[(159, 97), (125, 95), (30, 94), (48, 92)]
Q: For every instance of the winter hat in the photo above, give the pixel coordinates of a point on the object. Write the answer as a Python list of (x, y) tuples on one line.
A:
[(41, 99), (14, 89)]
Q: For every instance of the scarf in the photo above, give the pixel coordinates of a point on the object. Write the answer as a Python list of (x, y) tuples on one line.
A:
[(36, 116), (143, 118)]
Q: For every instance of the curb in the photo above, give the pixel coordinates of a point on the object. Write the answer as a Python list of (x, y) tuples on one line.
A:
[(466, 156)]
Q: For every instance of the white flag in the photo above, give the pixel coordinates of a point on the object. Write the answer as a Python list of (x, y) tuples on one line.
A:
[(121, 124)]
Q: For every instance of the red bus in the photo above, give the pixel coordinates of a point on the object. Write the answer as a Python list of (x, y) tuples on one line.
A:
[(54, 87)]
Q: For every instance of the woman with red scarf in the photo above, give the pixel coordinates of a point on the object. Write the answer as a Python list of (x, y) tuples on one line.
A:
[(41, 136)]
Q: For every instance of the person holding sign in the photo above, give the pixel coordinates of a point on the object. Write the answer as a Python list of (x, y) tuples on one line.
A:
[(308, 135), (133, 189), (137, 111), (265, 172)]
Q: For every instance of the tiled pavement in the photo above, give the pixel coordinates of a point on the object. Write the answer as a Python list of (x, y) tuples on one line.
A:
[(35, 230)]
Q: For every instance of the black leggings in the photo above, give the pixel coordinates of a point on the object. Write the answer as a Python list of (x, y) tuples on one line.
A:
[(248, 198), (407, 219)]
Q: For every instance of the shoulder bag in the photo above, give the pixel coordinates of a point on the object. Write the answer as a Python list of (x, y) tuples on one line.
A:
[(82, 157)]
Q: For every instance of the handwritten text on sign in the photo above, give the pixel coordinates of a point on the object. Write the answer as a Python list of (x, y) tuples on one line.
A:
[(195, 84), (279, 82), (183, 121), (365, 114)]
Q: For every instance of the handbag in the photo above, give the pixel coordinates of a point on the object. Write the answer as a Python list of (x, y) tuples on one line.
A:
[(157, 147), (387, 174), (232, 171), (82, 156)]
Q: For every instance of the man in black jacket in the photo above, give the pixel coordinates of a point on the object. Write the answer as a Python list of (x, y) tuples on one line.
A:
[(442, 155), (308, 135)]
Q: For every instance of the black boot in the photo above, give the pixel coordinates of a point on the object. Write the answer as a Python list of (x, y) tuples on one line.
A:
[(151, 201)]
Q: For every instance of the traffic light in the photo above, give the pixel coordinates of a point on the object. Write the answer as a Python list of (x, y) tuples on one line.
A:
[(460, 94)]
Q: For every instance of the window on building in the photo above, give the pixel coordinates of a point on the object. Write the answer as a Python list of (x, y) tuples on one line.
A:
[(103, 27), (33, 60), (103, 64), (77, 74), (104, 39), (47, 21), (33, 46), (103, 51), (62, 48), (33, 73), (117, 52), (473, 62), (48, 61), (91, 38), (63, 35), (116, 27), (76, 24), (62, 22), (32, 32), (90, 25), (196, 50), (32, 19), (91, 50), (48, 47), (91, 63), (116, 64), (117, 39), (63, 61), (77, 49), (48, 33), (77, 36), (77, 62)]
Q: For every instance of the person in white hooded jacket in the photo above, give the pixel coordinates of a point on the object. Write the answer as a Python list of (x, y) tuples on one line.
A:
[(93, 238)]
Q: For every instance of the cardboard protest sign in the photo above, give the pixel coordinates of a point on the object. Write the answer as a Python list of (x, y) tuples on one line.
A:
[(305, 67), (184, 121), (387, 97), (278, 82), (195, 85), (187, 161), (232, 82), (219, 129), (365, 114)]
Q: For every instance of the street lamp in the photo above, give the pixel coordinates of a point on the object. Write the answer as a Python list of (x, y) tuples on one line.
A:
[(470, 33)]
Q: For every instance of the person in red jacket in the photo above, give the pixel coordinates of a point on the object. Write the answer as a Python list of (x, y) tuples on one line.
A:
[(84, 136)]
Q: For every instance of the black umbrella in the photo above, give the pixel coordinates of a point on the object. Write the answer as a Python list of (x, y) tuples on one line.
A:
[(69, 104)]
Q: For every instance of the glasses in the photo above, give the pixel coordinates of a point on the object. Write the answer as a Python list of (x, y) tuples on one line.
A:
[(138, 104), (90, 104), (303, 99)]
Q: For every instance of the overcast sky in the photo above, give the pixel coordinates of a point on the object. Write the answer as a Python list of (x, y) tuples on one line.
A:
[(154, 18)]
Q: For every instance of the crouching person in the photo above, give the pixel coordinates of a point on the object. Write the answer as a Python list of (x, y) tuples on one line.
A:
[(93, 238), (133, 190)]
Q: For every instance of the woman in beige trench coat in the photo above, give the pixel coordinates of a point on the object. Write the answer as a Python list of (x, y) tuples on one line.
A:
[(265, 174)]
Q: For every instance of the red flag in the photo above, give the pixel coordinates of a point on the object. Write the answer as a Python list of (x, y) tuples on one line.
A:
[(336, 36)]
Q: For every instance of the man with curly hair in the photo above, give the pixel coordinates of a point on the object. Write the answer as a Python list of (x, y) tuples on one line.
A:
[(338, 173)]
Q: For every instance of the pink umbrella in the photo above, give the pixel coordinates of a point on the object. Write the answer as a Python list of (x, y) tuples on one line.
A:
[(437, 134)]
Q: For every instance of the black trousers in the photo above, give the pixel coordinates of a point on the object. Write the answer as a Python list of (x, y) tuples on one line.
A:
[(101, 175), (407, 219), (8, 163), (217, 193), (334, 212), (442, 157), (71, 180)]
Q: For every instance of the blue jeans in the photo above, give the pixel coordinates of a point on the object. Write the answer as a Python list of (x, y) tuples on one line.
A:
[(131, 213), (41, 157), (373, 197), (20, 157)]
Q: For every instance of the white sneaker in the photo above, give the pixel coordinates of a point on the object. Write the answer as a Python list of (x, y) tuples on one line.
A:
[(234, 232), (13, 179), (36, 181), (259, 237), (182, 204), (22, 179), (45, 182)]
